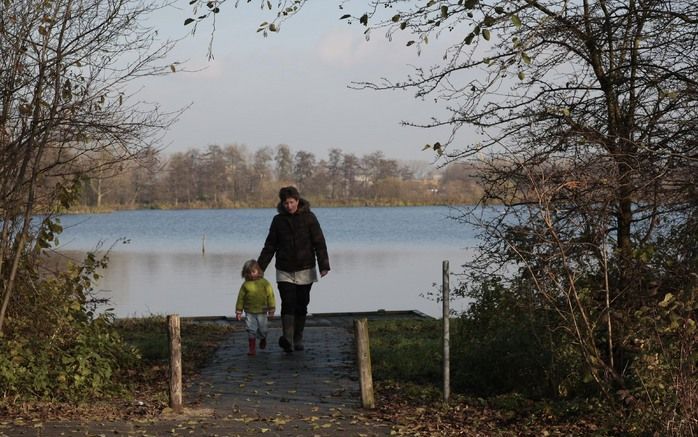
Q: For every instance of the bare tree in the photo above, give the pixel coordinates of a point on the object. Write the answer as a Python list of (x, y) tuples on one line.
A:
[(334, 170), (284, 162), (66, 73), (584, 115), (350, 174), (303, 167), (181, 182), (261, 170), (215, 180), (237, 172)]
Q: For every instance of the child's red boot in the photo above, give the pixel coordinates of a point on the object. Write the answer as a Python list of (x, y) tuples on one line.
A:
[(253, 346)]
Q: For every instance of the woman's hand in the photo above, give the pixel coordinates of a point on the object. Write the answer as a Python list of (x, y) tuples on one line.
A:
[(323, 273)]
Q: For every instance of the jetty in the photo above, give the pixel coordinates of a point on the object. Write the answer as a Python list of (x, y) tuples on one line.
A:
[(312, 392)]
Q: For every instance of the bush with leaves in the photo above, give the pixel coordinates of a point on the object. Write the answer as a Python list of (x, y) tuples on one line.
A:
[(67, 113), (529, 334), (55, 345), (506, 342), (665, 393)]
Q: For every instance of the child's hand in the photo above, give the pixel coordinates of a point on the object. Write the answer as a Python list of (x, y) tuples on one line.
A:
[(238, 315), (270, 312)]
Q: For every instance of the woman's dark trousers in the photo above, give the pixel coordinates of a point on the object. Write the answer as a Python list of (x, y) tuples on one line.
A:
[(294, 308)]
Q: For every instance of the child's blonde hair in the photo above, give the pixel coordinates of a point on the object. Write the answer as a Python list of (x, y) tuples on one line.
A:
[(248, 267)]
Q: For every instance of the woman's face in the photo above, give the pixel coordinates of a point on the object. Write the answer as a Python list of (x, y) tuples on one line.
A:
[(291, 205)]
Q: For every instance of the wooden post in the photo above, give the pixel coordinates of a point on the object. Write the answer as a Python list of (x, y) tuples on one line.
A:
[(203, 244), (175, 340), (363, 357), (447, 334)]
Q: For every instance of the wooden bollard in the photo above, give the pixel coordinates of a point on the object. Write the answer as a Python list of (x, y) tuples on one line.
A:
[(363, 357), (175, 340)]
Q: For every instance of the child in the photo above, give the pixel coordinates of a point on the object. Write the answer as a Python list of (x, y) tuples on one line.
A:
[(256, 297)]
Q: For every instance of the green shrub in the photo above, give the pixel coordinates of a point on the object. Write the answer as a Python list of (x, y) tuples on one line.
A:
[(502, 344), (54, 345), (664, 374), (496, 347)]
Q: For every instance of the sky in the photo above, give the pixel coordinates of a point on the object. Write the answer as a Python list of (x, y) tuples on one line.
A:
[(292, 86)]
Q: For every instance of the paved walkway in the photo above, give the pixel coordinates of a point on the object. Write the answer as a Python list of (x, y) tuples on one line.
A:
[(310, 393), (324, 375)]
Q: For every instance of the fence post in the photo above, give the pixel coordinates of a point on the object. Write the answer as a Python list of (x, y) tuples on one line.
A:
[(447, 334), (175, 340), (363, 357)]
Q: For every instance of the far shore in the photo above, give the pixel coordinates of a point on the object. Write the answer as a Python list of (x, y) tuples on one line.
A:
[(315, 204)]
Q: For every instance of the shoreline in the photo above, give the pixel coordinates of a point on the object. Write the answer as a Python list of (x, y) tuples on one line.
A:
[(111, 209)]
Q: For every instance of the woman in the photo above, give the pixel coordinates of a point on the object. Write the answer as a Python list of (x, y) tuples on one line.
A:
[(295, 237)]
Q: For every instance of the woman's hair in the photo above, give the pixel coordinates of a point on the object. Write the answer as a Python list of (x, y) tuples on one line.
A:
[(287, 192), (248, 267)]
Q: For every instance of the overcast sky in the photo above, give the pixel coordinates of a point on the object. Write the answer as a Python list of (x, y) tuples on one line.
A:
[(292, 87)]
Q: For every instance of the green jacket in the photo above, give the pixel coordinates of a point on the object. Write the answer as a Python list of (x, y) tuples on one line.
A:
[(255, 296)]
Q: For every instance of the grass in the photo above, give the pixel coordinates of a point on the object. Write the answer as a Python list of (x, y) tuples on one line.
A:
[(406, 359), (149, 336), (406, 350)]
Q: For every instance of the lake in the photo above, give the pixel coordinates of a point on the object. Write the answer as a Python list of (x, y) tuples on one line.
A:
[(381, 258)]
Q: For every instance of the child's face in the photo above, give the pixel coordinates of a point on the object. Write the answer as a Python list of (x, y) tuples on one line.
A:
[(255, 273)]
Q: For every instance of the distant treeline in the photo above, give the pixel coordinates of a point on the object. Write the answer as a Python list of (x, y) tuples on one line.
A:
[(233, 176)]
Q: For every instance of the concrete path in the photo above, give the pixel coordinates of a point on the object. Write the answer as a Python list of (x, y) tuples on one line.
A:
[(310, 393), (324, 375)]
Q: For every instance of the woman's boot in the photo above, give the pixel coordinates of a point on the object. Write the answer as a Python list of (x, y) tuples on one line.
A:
[(299, 326), (285, 341)]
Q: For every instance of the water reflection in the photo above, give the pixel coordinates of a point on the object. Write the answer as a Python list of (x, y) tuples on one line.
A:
[(206, 285), (382, 258)]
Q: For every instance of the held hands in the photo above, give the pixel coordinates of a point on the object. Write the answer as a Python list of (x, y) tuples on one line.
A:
[(323, 273), (238, 315), (270, 312)]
